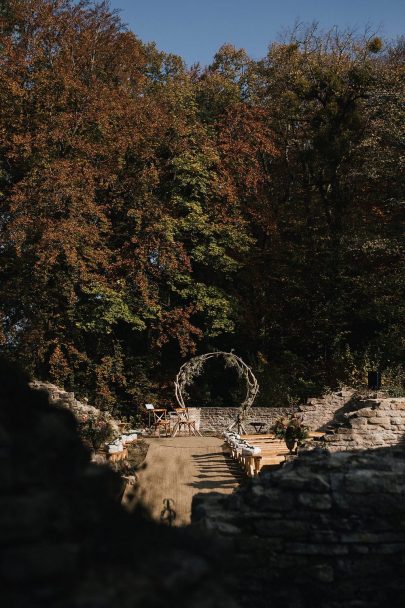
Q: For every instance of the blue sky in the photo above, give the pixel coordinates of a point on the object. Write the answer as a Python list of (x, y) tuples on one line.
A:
[(195, 29)]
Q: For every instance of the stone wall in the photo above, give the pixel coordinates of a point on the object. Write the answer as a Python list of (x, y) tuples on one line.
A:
[(352, 423), (61, 398), (218, 419), (325, 530), (370, 423), (65, 541), (318, 413)]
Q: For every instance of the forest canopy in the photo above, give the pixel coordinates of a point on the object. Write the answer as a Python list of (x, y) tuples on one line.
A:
[(150, 211)]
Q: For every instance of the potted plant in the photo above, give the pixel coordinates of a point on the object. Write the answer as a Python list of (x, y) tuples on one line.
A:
[(292, 430)]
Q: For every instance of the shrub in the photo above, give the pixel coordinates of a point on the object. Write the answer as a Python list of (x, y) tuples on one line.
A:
[(95, 430), (290, 428)]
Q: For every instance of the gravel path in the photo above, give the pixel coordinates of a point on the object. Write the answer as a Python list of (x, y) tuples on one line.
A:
[(177, 468)]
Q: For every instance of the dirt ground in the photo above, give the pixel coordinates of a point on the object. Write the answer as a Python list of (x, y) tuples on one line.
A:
[(177, 468)]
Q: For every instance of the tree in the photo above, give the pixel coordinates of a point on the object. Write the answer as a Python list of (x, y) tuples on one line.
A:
[(321, 92), (111, 245), (148, 211)]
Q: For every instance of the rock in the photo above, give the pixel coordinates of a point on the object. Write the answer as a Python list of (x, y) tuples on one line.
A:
[(319, 502), (365, 482), (324, 518), (39, 562)]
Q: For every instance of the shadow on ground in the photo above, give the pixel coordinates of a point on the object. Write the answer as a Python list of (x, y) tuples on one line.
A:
[(216, 470)]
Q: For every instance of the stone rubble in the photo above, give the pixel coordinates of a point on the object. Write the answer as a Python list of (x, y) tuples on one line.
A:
[(371, 423), (61, 398), (65, 541), (327, 529)]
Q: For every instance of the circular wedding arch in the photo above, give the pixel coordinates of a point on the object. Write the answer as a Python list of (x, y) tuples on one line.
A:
[(192, 368)]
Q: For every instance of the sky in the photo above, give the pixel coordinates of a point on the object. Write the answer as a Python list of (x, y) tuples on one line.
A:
[(195, 29)]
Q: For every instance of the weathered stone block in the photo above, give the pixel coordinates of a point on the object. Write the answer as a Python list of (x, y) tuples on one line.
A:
[(273, 499), (324, 573), (316, 549), (389, 549), (369, 481), (357, 423), (319, 502), (324, 536), (314, 482), (366, 413), (222, 527), (383, 420), (39, 562), (372, 538), (299, 530), (24, 517)]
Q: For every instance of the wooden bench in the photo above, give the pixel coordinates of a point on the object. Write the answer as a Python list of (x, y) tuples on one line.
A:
[(268, 457), (273, 451), (117, 456)]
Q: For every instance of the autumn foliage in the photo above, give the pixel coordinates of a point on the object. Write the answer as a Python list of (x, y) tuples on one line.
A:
[(149, 210)]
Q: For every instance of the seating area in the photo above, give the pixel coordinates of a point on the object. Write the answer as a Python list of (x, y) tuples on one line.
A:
[(253, 452), (171, 422)]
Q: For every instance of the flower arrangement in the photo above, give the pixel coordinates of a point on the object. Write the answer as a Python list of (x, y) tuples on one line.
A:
[(95, 430), (291, 429)]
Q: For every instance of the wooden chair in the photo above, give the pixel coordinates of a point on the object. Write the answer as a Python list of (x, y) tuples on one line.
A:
[(160, 421), (183, 421)]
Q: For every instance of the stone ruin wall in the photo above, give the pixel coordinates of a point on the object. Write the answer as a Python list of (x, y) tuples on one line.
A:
[(320, 412), (351, 423), (317, 413), (369, 424), (64, 540), (218, 419), (327, 529), (61, 398)]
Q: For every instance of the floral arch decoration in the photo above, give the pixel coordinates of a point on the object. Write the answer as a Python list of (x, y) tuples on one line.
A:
[(193, 368)]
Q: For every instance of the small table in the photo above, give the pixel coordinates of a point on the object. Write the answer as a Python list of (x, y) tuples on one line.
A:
[(258, 426)]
